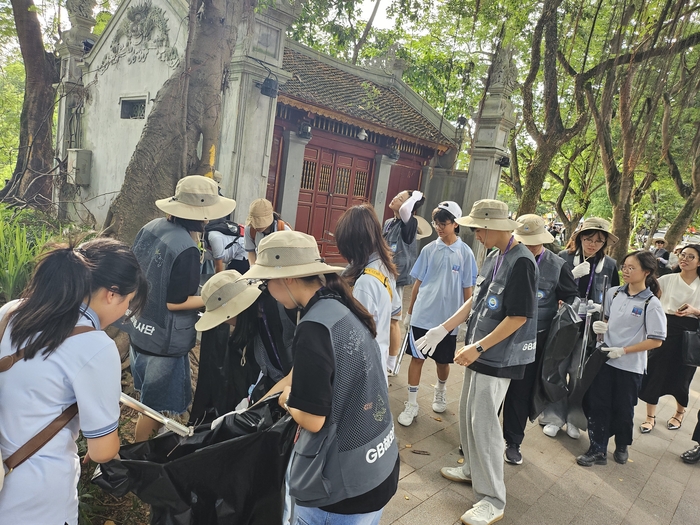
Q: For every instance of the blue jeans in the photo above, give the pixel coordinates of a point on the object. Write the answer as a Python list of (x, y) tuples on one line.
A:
[(314, 516)]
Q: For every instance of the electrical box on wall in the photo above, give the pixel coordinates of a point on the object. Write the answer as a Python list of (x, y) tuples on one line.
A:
[(79, 162)]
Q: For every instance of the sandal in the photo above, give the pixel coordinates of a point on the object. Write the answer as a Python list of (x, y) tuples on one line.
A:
[(648, 425), (672, 426)]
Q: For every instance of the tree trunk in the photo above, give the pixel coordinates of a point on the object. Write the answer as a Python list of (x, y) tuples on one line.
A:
[(680, 224), (159, 152), (536, 173), (31, 181)]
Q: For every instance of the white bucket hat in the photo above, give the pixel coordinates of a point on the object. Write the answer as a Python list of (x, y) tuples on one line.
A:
[(594, 224), (531, 230), (424, 228), (225, 296), (197, 198), (489, 214), (288, 254)]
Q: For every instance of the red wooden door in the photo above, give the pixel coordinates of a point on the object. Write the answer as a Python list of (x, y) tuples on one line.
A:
[(331, 182), (273, 172)]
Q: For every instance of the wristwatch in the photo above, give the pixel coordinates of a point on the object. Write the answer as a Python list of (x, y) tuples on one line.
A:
[(479, 348)]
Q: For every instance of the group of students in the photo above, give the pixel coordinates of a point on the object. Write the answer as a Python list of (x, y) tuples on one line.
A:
[(324, 338)]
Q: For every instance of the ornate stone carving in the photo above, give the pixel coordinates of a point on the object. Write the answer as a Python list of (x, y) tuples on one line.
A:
[(504, 74), (144, 28), (82, 8)]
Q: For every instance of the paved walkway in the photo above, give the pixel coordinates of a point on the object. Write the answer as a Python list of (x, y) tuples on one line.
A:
[(654, 487)]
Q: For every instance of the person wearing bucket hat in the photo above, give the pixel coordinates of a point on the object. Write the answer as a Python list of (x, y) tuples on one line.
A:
[(345, 462), (371, 272), (444, 275), (500, 342), (662, 255), (262, 220), (556, 283), (585, 255), (163, 334), (401, 233)]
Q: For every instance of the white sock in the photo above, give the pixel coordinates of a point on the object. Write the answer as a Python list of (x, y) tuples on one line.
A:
[(441, 385), (391, 362), (412, 395)]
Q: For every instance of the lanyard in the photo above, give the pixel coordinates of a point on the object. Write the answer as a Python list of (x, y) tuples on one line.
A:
[(269, 337), (499, 260), (539, 257)]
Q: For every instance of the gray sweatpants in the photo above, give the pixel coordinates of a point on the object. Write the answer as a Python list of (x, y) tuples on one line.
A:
[(481, 435)]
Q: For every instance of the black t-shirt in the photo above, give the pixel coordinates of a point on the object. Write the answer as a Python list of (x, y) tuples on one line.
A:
[(566, 290), (408, 230), (184, 276), (312, 392), (519, 300)]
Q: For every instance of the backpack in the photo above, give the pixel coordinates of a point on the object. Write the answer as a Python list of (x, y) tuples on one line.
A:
[(229, 228), (280, 226)]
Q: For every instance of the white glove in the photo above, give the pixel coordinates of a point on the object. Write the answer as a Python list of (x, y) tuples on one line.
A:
[(614, 351), (600, 327), (407, 321), (428, 343), (582, 269), (593, 307)]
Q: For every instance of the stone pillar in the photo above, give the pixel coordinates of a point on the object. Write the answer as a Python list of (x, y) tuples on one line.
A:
[(490, 146), (290, 175), (382, 172)]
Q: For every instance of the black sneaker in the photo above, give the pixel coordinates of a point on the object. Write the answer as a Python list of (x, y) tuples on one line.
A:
[(591, 458), (621, 455), (512, 454)]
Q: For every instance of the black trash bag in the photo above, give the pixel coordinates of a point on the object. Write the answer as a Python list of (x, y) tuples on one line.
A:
[(561, 342), (223, 378), (232, 475)]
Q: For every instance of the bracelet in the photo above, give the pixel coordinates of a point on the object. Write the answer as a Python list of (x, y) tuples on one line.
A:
[(285, 406)]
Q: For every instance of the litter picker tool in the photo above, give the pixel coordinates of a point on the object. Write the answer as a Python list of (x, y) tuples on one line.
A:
[(170, 424)]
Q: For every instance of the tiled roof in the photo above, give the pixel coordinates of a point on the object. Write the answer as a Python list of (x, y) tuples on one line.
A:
[(321, 84)]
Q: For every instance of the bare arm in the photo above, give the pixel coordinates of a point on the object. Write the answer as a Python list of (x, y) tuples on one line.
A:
[(414, 294), (467, 293), (460, 315), (252, 257), (647, 344), (218, 265), (310, 422), (286, 381), (193, 302), (103, 449)]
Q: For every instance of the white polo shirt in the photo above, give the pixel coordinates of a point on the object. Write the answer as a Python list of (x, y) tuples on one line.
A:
[(444, 272), (628, 324), (218, 243), (251, 245), (86, 368)]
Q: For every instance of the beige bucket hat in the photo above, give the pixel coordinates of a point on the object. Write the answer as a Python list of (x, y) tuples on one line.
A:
[(531, 230), (260, 214), (488, 214), (288, 254), (225, 296), (197, 198), (424, 228), (595, 224)]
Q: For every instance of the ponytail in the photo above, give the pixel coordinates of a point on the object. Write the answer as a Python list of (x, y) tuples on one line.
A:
[(337, 284), (648, 263), (50, 306), (65, 277)]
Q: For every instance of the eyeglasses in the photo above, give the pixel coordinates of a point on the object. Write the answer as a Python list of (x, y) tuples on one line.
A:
[(628, 268), (592, 240), (686, 256), (441, 225)]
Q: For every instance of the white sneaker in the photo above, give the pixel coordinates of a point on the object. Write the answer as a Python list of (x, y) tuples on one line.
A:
[(454, 474), (439, 401), (572, 431), (408, 415), (550, 430), (483, 513)]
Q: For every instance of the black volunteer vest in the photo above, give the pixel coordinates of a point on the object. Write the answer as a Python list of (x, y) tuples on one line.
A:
[(158, 330), (547, 304), (405, 255), (355, 451), (609, 268), (488, 311)]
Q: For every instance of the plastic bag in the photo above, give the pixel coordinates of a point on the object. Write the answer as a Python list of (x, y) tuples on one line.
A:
[(231, 475)]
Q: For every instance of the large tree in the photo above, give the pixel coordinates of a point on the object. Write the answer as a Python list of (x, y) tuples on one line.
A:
[(31, 181), (186, 110)]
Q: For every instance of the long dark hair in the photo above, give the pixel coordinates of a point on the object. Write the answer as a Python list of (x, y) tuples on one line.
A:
[(358, 235), (576, 244), (335, 283), (63, 279), (189, 224), (695, 247), (648, 263)]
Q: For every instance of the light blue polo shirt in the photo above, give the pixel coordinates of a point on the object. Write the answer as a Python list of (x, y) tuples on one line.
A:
[(444, 272), (85, 369), (627, 325)]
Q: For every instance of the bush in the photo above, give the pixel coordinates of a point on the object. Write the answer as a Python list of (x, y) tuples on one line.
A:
[(22, 238)]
